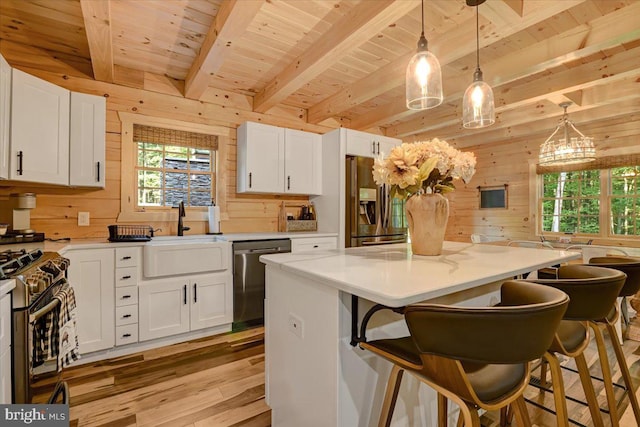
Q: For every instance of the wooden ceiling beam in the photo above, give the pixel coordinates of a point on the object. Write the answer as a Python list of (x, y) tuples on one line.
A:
[(358, 26), (448, 47), (97, 24), (601, 34), (232, 20)]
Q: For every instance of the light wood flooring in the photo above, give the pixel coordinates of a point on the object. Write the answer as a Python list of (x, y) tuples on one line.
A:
[(219, 381)]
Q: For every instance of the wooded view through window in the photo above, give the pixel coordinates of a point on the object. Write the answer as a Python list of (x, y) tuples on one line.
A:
[(572, 201)]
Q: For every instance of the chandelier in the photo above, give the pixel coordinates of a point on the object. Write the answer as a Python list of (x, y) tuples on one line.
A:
[(567, 150)]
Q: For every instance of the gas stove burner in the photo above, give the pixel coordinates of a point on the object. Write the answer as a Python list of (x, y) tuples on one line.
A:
[(14, 261)]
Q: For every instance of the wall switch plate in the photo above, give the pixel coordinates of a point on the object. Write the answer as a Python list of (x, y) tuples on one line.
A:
[(296, 325), (83, 219)]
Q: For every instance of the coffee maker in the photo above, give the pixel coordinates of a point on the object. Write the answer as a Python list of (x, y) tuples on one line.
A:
[(17, 213)]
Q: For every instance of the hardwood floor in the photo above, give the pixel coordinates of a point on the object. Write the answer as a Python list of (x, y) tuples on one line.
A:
[(219, 381)]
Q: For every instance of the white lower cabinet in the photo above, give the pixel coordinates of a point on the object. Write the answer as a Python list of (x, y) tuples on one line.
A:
[(177, 305), (5, 349), (91, 273)]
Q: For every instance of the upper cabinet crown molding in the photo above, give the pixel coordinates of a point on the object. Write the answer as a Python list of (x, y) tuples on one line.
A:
[(277, 160)]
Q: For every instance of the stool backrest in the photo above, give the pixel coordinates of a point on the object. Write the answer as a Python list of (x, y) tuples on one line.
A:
[(592, 290), (519, 329), (628, 265)]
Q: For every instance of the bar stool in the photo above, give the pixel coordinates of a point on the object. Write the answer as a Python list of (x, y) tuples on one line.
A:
[(476, 356), (592, 292), (631, 267)]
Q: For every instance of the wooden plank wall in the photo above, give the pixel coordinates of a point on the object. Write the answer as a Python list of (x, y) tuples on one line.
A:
[(143, 93), (507, 162)]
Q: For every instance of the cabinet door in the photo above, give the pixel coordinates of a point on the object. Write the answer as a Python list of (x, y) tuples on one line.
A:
[(361, 143), (260, 158), (87, 140), (91, 273), (5, 116), (302, 162), (211, 300), (163, 306), (5, 377), (387, 144), (39, 131)]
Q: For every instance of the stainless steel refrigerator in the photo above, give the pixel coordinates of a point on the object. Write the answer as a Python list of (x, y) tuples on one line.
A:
[(372, 217)]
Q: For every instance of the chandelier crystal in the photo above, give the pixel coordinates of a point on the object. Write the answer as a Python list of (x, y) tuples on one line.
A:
[(423, 77), (569, 149)]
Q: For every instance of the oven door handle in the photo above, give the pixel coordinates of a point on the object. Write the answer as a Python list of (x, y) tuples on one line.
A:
[(62, 389)]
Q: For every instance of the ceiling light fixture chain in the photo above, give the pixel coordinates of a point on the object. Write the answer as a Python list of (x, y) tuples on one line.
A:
[(423, 76), (566, 150), (478, 109)]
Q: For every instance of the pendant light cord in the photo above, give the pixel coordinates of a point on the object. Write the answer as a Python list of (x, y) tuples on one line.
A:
[(422, 16), (477, 39)]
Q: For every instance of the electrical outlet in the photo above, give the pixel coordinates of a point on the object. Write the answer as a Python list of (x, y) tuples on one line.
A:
[(83, 219), (296, 325)]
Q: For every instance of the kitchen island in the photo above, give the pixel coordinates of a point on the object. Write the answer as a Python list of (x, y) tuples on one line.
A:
[(314, 376)]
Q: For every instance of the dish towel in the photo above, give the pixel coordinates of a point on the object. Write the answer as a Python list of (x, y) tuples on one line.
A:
[(67, 334)]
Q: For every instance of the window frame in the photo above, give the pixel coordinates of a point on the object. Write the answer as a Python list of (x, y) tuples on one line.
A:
[(128, 174)]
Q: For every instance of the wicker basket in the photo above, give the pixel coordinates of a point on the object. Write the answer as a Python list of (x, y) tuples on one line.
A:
[(130, 233)]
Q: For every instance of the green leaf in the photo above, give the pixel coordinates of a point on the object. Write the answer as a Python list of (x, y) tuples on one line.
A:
[(427, 168)]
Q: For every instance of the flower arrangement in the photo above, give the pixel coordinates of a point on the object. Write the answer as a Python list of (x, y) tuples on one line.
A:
[(423, 167)]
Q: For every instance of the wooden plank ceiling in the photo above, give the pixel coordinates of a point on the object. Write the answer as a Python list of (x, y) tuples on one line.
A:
[(343, 61)]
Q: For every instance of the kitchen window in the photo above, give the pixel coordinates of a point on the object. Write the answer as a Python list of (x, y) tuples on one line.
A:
[(596, 202), (173, 166)]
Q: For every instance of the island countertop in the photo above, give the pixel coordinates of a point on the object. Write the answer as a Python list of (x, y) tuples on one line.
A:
[(393, 276)]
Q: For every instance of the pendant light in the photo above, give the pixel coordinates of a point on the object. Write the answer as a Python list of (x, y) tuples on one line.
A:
[(567, 150), (423, 78), (477, 105)]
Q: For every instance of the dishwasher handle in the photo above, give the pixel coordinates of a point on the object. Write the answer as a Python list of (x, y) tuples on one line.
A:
[(275, 250)]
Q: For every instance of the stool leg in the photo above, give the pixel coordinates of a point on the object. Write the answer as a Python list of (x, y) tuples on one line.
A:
[(470, 414), (624, 370), (390, 396), (519, 407), (543, 373), (590, 394), (443, 410), (558, 390), (606, 374)]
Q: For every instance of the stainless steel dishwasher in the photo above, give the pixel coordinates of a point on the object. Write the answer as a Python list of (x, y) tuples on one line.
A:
[(248, 279)]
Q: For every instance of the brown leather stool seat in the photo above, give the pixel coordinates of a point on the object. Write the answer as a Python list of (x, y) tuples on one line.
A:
[(631, 267), (592, 292), (475, 356)]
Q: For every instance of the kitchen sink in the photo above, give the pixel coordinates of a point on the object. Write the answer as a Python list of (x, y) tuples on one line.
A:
[(170, 255)]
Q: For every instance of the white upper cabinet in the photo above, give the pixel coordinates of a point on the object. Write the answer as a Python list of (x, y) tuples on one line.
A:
[(5, 116), (369, 145), (302, 162), (39, 130), (277, 160), (87, 140)]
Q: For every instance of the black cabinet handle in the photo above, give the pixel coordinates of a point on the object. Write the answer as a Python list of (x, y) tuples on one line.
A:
[(126, 335), (124, 258), (378, 148), (126, 296), (126, 277), (373, 147), (195, 292), (250, 179), (185, 294), (126, 316), (315, 246), (20, 156), (98, 171), (288, 182)]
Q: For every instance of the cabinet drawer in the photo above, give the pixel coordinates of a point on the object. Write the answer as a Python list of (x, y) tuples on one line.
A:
[(313, 244), (126, 334), (126, 315), (127, 276), (127, 257), (126, 295)]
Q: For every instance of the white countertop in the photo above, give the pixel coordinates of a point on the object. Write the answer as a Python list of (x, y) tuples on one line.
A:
[(393, 276), (6, 286)]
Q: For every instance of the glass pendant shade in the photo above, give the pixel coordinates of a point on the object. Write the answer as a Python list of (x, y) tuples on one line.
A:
[(568, 149), (477, 105), (423, 81)]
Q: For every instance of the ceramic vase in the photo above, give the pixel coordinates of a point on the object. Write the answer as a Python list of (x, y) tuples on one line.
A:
[(427, 215)]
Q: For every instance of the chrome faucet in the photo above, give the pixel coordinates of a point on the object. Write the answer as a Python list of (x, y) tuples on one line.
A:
[(181, 214)]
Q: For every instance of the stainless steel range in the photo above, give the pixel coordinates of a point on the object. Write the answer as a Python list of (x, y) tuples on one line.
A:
[(38, 276)]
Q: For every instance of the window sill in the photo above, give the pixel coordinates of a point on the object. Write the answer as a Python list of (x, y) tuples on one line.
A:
[(160, 216)]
